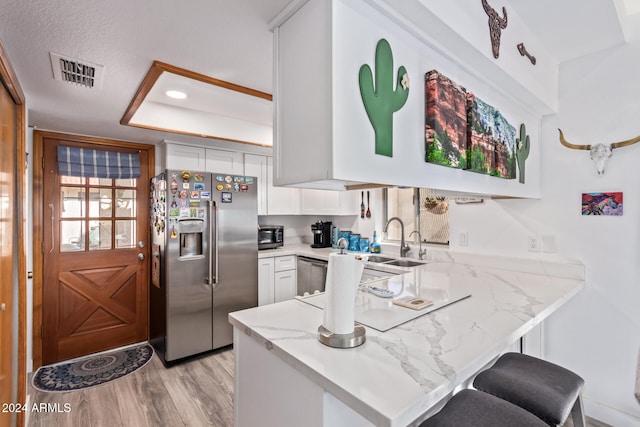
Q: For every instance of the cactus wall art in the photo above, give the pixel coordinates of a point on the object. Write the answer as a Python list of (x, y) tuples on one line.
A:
[(384, 97), (523, 144)]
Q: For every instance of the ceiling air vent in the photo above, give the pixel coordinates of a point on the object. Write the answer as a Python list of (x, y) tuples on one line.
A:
[(76, 71)]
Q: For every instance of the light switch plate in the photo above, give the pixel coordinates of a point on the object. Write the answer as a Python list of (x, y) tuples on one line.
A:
[(463, 239)]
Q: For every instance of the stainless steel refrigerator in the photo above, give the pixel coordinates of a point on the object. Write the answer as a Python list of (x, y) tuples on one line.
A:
[(204, 259)]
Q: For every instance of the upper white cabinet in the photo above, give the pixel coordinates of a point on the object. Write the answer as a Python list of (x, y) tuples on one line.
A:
[(281, 200), (185, 157), (271, 200), (256, 165), (324, 202), (222, 161), (323, 136), (193, 158)]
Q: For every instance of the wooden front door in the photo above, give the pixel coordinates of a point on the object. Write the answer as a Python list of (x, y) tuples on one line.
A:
[(96, 236), (8, 252)]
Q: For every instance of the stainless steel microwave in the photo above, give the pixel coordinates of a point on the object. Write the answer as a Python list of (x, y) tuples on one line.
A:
[(270, 236)]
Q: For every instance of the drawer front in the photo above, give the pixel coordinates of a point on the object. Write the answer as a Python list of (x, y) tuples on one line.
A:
[(285, 263)]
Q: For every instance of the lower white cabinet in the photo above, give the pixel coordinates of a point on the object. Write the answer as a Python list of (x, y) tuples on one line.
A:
[(277, 279), (284, 285), (265, 280)]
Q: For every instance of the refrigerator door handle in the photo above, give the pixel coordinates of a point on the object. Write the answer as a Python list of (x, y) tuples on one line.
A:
[(215, 272), (211, 279)]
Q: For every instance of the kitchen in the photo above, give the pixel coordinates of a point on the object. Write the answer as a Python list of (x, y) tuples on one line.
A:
[(592, 330)]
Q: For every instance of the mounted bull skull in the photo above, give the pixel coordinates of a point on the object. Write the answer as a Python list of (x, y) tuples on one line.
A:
[(599, 153), (496, 25)]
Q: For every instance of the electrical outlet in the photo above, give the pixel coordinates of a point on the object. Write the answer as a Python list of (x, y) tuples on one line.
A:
[(533, 244), (463, 238)]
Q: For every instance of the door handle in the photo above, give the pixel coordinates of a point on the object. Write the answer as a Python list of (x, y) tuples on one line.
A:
[(141, 256), (3, 307)]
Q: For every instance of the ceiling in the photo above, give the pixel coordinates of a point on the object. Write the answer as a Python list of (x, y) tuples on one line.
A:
[(225, 39)]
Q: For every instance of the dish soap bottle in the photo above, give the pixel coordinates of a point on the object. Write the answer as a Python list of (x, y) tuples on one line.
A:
[(375, 246)]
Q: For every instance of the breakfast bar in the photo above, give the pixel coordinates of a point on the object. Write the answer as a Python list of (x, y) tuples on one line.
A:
[(285, 377)]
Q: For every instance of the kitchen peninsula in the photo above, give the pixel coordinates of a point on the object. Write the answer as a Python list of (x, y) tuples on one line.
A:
[(285, 377)]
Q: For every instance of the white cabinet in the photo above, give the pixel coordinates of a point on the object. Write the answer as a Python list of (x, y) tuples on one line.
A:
[(265, 280), (277, 279), (325, 140), (283, 263), (185, 157), (284, 285), (284, 278), (327, 202), (281, 200), (222, 161), (271, 200), (318, 202), (255, 165), (192, 158)]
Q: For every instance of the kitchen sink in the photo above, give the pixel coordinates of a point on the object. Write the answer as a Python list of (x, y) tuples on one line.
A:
[(404, 263), (377, 258)]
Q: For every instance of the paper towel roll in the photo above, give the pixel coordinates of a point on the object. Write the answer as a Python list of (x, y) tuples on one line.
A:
[(343, 276)]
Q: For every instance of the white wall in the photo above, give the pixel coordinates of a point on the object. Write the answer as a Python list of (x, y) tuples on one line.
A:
[(597, 334)]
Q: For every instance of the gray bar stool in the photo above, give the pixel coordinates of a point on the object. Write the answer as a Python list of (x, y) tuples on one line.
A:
[(548, 391), (478, 409)]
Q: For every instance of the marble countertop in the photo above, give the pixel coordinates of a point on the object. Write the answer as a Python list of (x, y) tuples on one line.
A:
[(397, 375)]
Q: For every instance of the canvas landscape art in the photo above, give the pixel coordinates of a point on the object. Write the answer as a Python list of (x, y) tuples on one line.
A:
[(445, 121), (464, 132), (602, 204), (492, 140)]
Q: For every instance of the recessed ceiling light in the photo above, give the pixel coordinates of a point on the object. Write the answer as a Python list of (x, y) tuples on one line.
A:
[(176, 94)]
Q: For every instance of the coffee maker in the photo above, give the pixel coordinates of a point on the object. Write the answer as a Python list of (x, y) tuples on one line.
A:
[(321, 234)]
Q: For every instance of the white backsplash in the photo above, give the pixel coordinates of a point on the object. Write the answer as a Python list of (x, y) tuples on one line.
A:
[(297, 228)]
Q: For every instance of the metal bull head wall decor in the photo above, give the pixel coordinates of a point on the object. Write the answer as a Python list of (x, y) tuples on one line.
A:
[(599, 153), (496, 25)]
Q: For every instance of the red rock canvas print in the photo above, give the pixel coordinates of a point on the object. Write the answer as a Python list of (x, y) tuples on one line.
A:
[(445, 121), (602, 204), (492, 140)]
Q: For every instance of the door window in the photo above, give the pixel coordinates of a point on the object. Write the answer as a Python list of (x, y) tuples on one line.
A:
[(97, 214)]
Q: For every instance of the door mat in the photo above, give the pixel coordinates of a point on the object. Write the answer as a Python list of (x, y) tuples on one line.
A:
[(93, 370)]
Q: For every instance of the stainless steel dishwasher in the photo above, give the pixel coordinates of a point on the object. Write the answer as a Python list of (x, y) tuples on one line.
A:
[(312, 275)]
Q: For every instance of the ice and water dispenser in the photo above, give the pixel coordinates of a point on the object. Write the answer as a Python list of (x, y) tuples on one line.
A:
[(191, 232)]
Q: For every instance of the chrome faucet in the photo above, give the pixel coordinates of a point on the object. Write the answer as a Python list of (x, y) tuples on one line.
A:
[(421, 252), (404, 248)]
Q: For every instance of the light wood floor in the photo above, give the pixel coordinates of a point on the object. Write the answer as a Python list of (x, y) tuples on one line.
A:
[(196, 393)]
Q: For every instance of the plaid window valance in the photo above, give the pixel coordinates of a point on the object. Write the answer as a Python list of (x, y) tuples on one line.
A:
[(74, 161)]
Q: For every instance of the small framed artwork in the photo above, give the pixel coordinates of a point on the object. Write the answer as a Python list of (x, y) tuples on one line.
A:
[(602, 203)]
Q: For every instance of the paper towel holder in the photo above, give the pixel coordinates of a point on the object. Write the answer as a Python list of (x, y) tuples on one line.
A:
[(354, 339)]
